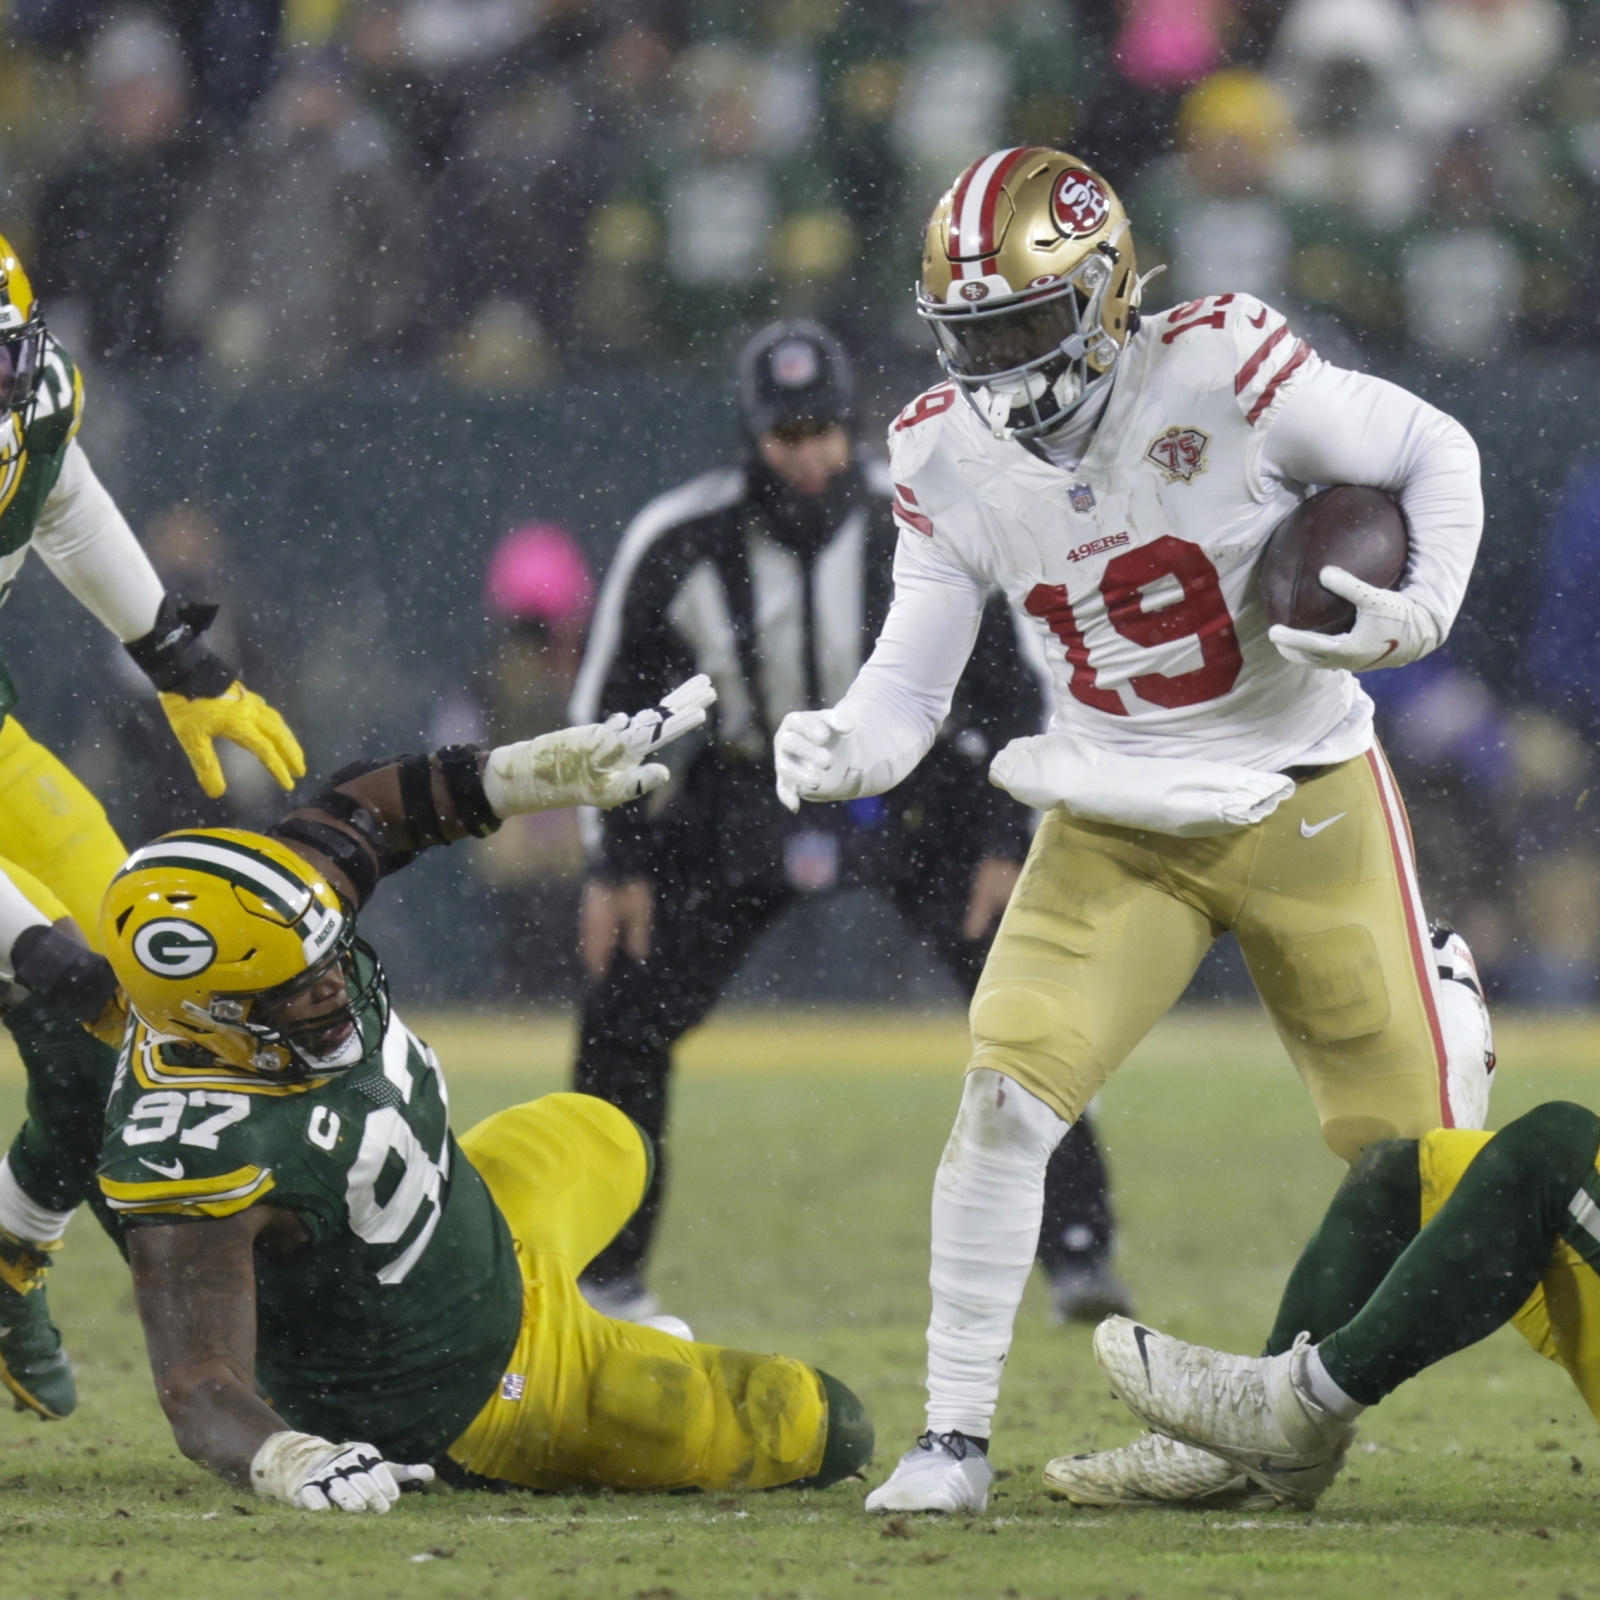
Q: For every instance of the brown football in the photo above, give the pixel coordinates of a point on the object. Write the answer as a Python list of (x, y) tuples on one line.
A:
[(1359, 529)]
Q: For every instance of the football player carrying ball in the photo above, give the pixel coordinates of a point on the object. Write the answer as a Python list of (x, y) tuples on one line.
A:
[(303, 1225), (57, 850), (1118, 475)]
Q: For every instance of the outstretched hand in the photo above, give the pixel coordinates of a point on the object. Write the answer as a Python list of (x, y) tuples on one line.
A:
[(597, 764), (244, 717), (806, 755)]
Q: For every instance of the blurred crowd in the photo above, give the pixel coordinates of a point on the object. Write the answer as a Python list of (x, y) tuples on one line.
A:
[(516, 189), (513, 192)]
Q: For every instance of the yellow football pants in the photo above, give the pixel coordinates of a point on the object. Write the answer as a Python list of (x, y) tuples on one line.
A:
[(1107, 926), (55, 842), (1561, 1318), (589, 1403)]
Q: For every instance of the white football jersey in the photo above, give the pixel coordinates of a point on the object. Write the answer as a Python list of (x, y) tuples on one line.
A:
[(1137, 571)]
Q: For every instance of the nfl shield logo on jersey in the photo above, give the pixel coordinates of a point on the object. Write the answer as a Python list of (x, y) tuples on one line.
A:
[(1082, 498), (1179, 453)]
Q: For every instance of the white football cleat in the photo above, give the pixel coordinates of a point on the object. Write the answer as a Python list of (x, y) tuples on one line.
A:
[(665, 1322), (1155, 1471), (1464, 1024), (940, 1472), (624, 1299), (1249, 1409)]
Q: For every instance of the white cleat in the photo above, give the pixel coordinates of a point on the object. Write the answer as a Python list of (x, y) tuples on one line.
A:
[(1465, 1027), (665, 1322), (940, 1472), (1249, 1409), (1155, 1471), (624, 1299)]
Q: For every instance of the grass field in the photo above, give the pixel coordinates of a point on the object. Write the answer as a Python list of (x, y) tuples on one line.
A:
[(799, 1220)]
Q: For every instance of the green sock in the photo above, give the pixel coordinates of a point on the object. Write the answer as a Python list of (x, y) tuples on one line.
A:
[(1475, 1263), (56, 1152), (1373, 1217)]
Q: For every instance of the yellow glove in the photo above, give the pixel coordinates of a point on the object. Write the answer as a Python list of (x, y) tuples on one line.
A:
[(244, 717)]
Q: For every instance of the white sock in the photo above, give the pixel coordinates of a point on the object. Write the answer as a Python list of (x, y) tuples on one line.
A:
[(1326, 1392), (988, 1202), (24, 1218)]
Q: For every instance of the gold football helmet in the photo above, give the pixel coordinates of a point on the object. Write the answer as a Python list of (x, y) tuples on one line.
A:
[(1029, 281), (21, 337), (232, 942)]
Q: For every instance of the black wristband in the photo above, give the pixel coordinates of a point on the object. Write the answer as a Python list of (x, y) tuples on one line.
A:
[(461, 766), (340, 845), (175, 658), (416, 800), (67, 975)]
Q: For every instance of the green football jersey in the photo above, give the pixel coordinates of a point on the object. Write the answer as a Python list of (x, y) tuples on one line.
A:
[(30, 466), (395, 1323), (27, 476)]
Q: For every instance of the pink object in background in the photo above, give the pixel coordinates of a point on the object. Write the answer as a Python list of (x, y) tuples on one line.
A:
[(1169, 44), (539, 572)]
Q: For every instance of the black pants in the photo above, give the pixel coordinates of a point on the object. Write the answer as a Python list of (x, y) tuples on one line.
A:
[(638, 1011)]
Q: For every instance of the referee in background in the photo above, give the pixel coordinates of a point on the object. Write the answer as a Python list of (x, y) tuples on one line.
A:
[(773, 576)]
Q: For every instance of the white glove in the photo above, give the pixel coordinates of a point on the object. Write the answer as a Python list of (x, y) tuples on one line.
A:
[(807, 751), (302, 1470), (1390, 630), (599, 764)]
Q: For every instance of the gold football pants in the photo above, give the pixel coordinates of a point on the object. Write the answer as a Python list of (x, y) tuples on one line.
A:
[(1561, 1318), (55, 842), (1108, 924), (590, 1403)]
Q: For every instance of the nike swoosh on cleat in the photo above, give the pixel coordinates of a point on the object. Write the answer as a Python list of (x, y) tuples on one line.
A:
[(1258, 322), (1140, 1334), (1309, 830), (174, 1171)]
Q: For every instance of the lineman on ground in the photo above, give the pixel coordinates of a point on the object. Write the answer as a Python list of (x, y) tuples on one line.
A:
[(302, 1225)]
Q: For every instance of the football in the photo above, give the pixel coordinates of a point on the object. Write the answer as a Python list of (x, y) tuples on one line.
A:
[(1362, 530)]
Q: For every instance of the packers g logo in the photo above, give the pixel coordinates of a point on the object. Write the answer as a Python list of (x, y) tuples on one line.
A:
[(173, 947)]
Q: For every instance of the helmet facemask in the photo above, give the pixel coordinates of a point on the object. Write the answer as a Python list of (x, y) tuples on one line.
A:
[(1026, 367), (294, 1034), (21, 350)]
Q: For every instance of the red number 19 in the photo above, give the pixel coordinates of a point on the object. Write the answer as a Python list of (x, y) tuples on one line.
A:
[(1200, 614)]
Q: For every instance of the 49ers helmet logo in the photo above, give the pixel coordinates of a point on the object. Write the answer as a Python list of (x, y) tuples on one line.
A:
[(1079, 203), (174, 947)]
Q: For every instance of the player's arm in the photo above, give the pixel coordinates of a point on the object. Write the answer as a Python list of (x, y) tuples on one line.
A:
[(375, 817), (86, 542), (1345, 427), (195, 1288), (889, 717)]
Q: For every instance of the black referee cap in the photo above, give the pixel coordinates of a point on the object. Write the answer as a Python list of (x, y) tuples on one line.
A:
[(795, 371)]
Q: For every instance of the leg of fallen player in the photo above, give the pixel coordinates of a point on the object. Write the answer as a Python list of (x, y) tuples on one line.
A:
[(1506, 1237), (47, 1173), (1478, 1260), (590, 1402)]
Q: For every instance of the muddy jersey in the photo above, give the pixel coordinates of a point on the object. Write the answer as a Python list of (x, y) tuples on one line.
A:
[(1137, 570), (394, 1323)]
